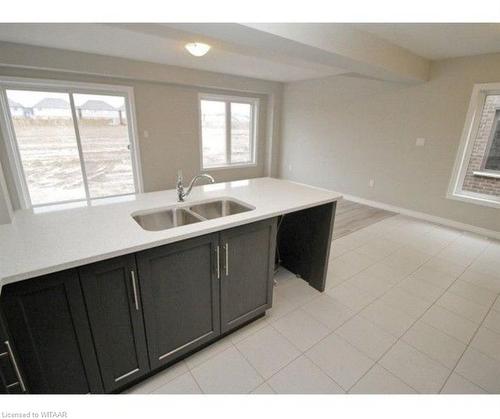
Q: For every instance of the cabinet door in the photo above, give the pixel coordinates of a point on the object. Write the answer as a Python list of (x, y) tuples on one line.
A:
[(247, 274), (48, 323), (112, 294), (180, 296), (11, 376)]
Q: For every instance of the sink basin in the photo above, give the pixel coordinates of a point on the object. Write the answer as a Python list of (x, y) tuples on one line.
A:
[(162, 220), (220, 208)]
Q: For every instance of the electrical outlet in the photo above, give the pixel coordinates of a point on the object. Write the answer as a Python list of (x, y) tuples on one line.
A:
[(290, 167), (372, 183), (420, 142), (145, 134)]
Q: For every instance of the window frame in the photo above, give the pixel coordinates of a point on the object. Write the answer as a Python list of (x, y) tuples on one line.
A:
[(70, 88), (254, 126), (469, 134)]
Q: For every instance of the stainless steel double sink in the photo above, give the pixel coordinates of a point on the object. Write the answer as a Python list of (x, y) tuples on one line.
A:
[(163, 219)]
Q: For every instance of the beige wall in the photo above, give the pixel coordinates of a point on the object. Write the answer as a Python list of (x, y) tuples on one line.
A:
[(342, 131), (168, 111), (170, 115)]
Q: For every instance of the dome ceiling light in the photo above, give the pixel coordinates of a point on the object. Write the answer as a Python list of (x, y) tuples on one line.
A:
[(198, 49)]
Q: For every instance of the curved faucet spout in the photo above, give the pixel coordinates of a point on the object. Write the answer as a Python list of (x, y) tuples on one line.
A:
[(181, 194)]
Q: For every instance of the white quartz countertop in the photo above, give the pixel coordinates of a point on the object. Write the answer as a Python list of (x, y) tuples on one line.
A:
[(39, 243)]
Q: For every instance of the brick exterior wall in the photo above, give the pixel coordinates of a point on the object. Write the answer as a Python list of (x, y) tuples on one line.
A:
[(480, 184)]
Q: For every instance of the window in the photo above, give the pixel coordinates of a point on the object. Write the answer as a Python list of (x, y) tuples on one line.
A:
[(476, 175), (228, 130), (492, 155), (69, 142)]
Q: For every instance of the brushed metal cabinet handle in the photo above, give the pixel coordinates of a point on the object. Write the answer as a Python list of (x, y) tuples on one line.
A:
[(16, 368), (217, 251), (226, 247), (134, 288)]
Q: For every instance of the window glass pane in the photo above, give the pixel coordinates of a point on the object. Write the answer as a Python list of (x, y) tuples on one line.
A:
[(493, 159), (213, 126), (47, 145), (241, 134), (102, 124)]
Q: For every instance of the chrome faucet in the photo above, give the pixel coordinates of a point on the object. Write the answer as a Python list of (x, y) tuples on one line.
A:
[(181, 195)]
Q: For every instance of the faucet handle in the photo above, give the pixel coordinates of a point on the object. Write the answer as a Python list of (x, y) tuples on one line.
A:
[(179, 176)]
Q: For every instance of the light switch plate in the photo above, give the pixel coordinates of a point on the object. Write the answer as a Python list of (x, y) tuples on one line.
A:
[(420, 142)]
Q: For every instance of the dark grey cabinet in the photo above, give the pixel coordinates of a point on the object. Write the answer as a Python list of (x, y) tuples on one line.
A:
[(102, 326), (48, 323), (304, 243), (11, 376), (247, 254), (180, 293), (112, 295)]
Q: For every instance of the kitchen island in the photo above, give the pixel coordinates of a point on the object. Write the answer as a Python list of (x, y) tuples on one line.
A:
[(92, 302)]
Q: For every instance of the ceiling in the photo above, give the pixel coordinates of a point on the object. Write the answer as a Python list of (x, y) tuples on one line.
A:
[(276, 51), (437, 41), (158, 43)]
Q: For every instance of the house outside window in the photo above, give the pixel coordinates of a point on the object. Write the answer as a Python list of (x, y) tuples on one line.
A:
[(69, 142), (476, 175)]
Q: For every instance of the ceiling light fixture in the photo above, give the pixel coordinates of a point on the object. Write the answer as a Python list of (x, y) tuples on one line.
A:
[(198, 49)]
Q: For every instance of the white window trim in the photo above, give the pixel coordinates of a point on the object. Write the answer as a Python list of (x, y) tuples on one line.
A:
[(255, 102), (63, 86), (469, 133), (495, 174)]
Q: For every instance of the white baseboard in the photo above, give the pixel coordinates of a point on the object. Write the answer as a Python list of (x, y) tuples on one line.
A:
[(424, 216)]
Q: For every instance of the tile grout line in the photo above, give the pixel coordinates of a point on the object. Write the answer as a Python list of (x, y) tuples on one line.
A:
[(264, 380), (466, 379), (234, 345), (270, 324), (156, 375), (469, 346), (303, 353), (379, 298), (452, 370), (323, 371), (196, 381), (357, 313), (392, 287), (412, 324), (354, 315), (416, 320), (402, 245)]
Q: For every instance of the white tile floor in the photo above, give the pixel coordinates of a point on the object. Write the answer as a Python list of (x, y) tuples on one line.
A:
[(410, 307)]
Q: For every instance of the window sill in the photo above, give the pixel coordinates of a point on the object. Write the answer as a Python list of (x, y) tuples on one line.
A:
[(475, 198), (83, 203), (494, 175), (229, 166)]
